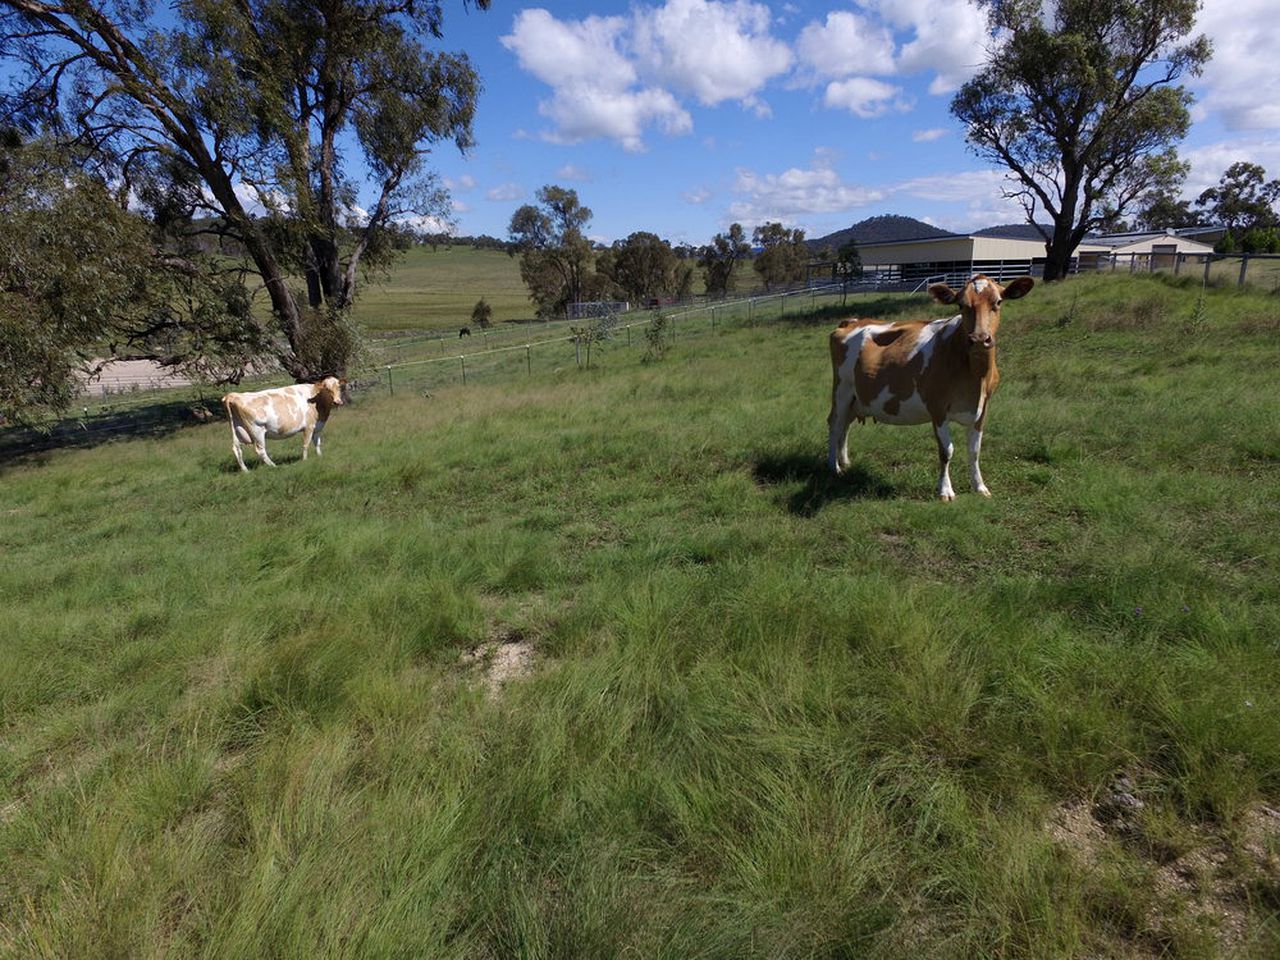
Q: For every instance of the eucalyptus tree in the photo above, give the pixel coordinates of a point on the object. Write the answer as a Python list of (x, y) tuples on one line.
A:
[(1079, 100), (254, 122), (784, 255), (720, 257), (555, 255)]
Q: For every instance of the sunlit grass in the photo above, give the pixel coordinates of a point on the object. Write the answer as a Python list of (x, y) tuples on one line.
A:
[(772, 714)]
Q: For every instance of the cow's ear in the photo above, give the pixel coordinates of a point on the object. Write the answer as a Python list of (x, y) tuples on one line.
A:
[(1019, 288), (942, 293)]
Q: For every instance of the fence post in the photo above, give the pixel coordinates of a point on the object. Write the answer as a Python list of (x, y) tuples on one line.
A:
[(782, 305), (751, 318), (1177, 263), (464, 369), (628, 334), (1208, 260), (1113, 262), (713, 318), (577, 352), (528, 363), (1244, 268), (390, 386)]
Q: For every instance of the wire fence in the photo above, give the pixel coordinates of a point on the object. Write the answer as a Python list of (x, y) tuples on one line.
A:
[(589, 343), (1258, 270), (519, 353)]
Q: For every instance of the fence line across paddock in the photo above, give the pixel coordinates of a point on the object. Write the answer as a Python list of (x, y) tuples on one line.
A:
[(158, 410), (584, 347), (129, 411)]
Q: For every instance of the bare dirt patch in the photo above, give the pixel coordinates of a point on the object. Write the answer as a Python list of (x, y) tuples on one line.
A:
[(1208, 883), (506, 657)]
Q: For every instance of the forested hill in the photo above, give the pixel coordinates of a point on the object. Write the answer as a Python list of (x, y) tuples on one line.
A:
[(881, 229)]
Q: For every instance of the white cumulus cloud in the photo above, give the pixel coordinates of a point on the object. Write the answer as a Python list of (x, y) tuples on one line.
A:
[(866, 97), (797, 195), (715, 51), (845, 44), (927, 136), (505, 193), (618, 77), (1241, 84), (595, 90), (948, 37), (790, 196)]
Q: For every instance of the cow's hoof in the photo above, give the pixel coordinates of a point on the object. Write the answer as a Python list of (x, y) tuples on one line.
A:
[(984, 492), (946, 497)]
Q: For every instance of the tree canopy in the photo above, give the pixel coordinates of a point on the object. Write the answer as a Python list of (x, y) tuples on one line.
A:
[(1244, 198), (82, 279), (555, 256), (720, 257), (644, 266), (1080, 103), (784, 255), (254, 121)]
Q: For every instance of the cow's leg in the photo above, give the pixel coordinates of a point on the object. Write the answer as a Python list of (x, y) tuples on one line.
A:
[(306, 441), (942, 433), (319, 431), (838, 421), (236, 447), (260, 445), (975, 450)]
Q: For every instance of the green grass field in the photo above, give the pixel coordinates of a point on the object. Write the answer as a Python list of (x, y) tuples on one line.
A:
[(431, 290), (434, 291), (763, 713)]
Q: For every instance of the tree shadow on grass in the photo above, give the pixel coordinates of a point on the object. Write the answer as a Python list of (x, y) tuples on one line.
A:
[(20, 446), (820, 487)]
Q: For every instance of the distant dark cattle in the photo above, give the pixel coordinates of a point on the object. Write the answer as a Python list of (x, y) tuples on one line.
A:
[(921, 371), (464, 332)]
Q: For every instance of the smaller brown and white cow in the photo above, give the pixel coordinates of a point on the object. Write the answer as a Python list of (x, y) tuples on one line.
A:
[(281, 412), (920, 371)]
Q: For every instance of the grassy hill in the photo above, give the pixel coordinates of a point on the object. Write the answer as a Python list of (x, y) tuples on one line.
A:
[(436, 290), (749, 711)]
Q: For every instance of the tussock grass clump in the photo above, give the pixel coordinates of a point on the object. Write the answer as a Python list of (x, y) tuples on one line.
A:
[(769, 713)]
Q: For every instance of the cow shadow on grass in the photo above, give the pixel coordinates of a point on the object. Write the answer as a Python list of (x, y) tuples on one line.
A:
[(818, 486), (254, 464)]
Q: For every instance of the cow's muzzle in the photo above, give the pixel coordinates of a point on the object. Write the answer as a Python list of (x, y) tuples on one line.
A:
[(981, 340)]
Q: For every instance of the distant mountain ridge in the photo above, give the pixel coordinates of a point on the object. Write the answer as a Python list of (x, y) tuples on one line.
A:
[(887, 228)]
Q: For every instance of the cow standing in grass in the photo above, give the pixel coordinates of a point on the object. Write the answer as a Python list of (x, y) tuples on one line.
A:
[(921, 371), (281, 412)]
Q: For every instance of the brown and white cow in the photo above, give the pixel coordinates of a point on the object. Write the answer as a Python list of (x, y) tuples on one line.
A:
[(921, 371), (281, 412)]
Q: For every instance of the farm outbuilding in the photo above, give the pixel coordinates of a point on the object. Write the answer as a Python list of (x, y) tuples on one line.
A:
[(959, 255), (1140, 249), (1013, 251)]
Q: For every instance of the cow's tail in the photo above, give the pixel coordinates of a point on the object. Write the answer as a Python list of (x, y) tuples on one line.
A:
[(231, 416)]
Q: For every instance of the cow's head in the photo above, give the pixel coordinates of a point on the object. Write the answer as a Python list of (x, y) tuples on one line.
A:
[(979, 304), (330, 392)]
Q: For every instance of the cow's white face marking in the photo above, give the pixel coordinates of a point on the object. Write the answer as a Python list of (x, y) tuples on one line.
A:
[(980, 284)]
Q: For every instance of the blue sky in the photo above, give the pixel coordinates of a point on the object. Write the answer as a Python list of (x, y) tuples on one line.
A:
[(682, 116)]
